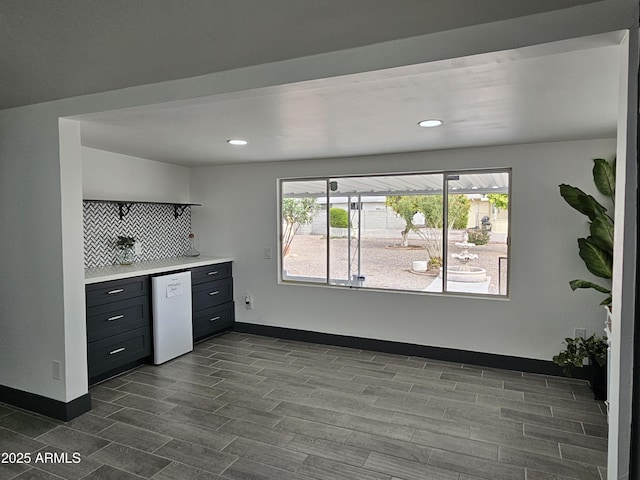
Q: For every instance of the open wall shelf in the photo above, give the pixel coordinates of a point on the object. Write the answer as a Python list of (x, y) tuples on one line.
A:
[(124, 206)]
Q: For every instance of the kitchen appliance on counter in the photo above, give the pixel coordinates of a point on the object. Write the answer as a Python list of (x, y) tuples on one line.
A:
[(172, 317)]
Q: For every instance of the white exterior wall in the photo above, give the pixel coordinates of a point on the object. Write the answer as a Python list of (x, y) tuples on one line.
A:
[(542, 310)]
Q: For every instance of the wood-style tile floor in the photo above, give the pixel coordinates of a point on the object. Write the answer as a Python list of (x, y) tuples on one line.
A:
[(245, 407)]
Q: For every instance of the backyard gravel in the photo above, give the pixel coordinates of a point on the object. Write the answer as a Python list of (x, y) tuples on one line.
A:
[(384, 263)]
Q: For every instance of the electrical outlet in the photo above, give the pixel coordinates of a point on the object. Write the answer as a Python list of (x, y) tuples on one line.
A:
[(580, 332), (55, 370), (137, 248), (248, 302)]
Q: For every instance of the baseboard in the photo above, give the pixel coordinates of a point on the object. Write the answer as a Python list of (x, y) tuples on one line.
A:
[(120, 370), (521, 364), (44, 405)]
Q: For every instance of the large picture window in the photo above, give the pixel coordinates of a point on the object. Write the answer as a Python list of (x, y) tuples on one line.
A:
[(444, 232)]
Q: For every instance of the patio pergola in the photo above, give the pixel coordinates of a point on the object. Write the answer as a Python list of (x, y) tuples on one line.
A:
[(400, 184)]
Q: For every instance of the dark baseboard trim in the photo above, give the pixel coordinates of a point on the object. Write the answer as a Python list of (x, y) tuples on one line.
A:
[(44, 405), (121, 369), (521, 364)]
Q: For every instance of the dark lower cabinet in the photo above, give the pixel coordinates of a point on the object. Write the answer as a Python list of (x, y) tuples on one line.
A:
[(119, 317), (110, 353), (118, 326), (212, 320), (212, 300), (210, 294)]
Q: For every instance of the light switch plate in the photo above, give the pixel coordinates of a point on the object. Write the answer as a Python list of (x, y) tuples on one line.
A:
[(267, 253), (137, 248)]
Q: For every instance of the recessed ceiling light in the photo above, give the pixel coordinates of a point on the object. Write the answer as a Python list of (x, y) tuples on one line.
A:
[(430, 123), (237, 141)]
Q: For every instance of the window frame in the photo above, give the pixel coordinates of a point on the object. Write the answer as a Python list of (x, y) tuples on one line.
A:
[(446, 174)]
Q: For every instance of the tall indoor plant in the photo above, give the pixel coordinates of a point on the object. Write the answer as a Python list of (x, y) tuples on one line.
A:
[(596, 250)]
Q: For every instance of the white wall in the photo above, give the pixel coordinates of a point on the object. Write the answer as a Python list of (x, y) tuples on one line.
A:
[(31, 266), (113, 176), (74, 324), (542, 310)]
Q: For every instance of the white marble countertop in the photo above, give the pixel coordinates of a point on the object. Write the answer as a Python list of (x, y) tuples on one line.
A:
[(116, 272)]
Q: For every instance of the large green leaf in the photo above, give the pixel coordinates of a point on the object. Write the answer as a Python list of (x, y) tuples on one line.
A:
[(585, 204), (602, 233), (575, 284), (598, 262), (604, 176), (607, 301)]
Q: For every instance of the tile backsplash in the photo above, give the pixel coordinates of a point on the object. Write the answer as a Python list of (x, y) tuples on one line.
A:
[(153, 225)]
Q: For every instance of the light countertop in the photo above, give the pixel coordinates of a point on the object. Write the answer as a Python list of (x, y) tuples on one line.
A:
[(116, 272)]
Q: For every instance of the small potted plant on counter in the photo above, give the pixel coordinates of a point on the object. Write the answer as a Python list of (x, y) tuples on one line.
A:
[(594, 349), (125, 254)]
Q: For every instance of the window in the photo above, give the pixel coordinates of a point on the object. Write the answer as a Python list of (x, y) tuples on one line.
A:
[(398, 232)]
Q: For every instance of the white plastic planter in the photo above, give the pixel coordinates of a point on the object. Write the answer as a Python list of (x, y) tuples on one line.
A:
[(420, 266)]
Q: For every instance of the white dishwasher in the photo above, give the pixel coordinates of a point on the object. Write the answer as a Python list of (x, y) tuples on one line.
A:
[(172, 322)]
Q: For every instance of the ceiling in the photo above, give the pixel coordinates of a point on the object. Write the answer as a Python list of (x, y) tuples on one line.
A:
[(65, 48), (53, 50), (554, 92)]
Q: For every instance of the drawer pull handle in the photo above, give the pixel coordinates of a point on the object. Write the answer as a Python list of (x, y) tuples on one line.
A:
[(211, 294), (117, 350), (215, 318), (213, 273), (117, 317), (117, 290)]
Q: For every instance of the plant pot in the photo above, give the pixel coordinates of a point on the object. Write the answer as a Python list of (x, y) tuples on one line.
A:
[(420, 266), (598, 380), (125, 256)]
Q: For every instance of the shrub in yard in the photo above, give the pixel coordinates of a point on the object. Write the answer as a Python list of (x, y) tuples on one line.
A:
[(479, 237), (295, 213), (435, 262), (431, 207), (338, 218)]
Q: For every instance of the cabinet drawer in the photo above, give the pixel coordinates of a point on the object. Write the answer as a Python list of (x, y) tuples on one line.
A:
[(210, 272), (117, 317), (211, 294), (213, 320), (115, 290), (113, 352)]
